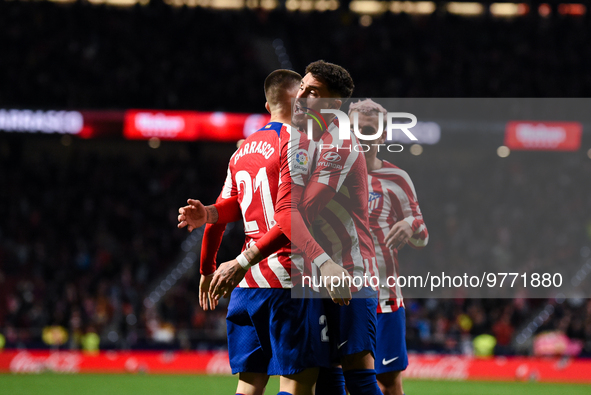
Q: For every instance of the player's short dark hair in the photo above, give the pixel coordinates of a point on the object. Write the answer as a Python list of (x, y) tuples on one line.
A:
[(337, 79), (278, 82)]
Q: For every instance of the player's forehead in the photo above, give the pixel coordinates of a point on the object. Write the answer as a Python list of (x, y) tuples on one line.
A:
[(371, 118)]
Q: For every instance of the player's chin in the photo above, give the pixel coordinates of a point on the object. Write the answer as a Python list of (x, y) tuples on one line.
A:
[(299, 120)]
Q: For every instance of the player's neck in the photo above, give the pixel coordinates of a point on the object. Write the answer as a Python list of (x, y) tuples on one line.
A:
[(373, 163), (281, 118)]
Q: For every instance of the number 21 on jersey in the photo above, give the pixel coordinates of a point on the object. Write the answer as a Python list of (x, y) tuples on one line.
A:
[(245, 184)]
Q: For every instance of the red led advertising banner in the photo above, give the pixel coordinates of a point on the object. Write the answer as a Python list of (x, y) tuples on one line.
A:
[(135, 124), (191, 125), (543, 136), (440, 367)]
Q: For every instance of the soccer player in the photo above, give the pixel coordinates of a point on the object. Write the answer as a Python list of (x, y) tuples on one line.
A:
[(334, 201), (269, 333), (395, 220)]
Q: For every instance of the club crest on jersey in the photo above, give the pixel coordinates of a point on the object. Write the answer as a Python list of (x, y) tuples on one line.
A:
[(375, 200), (302, 158)]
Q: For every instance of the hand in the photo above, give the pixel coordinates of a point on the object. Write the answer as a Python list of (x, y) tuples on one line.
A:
[(398, 236), (226, 278), (204, 296), (193, 216), (339, 290)]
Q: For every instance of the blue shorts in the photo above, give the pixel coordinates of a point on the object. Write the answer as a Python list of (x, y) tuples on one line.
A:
[(269, 332), (352, 328), (391, 353)]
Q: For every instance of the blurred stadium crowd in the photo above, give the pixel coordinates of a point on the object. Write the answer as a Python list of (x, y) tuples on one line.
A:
[(530, 210), (83, 239), (83, 236), (86, 56), (84, 233)]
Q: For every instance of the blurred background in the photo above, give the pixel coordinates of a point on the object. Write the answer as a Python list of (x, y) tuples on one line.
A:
[(113, 113)]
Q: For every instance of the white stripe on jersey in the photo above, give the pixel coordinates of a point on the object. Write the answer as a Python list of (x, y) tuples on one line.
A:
[(258, 277), (228, 184), (402, 197), (298, 262), (324, 176), (398, 172), (277, 268), (349, 162)]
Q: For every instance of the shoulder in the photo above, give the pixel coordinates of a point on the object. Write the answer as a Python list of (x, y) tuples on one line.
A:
[(392, 174), (391, 171), (293, 139), (263, 142), (288, 131)]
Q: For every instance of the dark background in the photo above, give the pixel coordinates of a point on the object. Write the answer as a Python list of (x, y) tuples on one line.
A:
[(88, 227)]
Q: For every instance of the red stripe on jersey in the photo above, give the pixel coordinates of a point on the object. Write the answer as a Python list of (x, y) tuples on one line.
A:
[(270, 276), (250, 281)]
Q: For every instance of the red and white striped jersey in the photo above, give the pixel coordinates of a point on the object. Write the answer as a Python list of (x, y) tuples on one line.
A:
[(392, 198), (342, 227), (254, 175)]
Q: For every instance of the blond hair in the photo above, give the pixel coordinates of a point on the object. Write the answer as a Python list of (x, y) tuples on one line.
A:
[(367, 107)]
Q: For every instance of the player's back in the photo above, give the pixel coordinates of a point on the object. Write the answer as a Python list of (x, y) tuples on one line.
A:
[(253, 175)]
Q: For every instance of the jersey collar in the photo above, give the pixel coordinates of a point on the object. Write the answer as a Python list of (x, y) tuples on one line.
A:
[(276, 126)]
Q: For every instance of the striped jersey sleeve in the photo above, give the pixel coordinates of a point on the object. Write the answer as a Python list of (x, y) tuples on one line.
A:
[(296, 156), (404, 195)]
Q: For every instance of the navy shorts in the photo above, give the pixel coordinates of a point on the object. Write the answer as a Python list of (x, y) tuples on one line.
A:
[(352, 328), (269, 332), (391, 355)]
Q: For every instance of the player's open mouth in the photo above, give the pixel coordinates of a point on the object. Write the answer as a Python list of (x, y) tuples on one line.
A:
[(298, 109)]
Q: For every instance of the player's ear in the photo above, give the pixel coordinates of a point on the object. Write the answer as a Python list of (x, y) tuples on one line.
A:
[(382, 139), (337, 104), (268, 107)]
